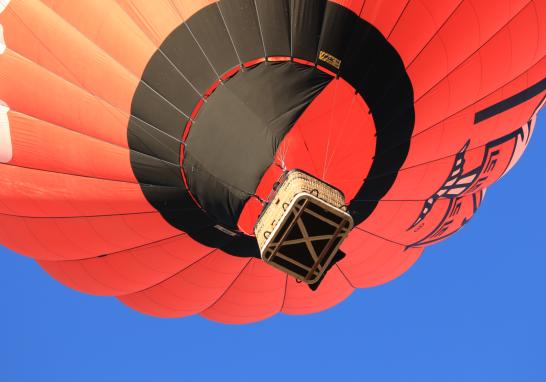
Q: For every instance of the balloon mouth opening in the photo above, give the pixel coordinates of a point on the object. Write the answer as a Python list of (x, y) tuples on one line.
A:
[(344, 133), (195, 120)]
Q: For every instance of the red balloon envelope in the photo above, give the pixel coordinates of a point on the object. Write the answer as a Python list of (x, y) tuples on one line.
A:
[(139, 139)]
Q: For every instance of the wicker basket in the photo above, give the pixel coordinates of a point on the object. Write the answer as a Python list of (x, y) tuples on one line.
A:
[(302, 227)]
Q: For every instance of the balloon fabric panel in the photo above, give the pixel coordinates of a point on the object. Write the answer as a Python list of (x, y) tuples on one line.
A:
[(137, 148)]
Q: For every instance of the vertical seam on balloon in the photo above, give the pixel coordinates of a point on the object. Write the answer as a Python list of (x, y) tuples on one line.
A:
[(183, 18), (202, 50), (260, 28), (84, 266), (541, 104), (89, 177), (157, 304), (398, 20), (290, 15), (362, 8), (130, 18), (93, 138), (350, 110), (229, 34), (325, 166), (126, 249), (78, 85), (182, 74), (479, 57), (66, 67), (154, 127), (168, 253), (319, 46), (474, 52), (177, 11), (465, 107), (136, 24), (166, 100), (79, 216), (211, 305), (58, 268), (330, 123), (321, 35), (345, 277), (380, 237), (378, 274), (284, 293), (311, 159), (112, 290), (435, 34), (282, 152), (458, 66), (40, 243), (152, 33), (538, 23), (145, 290), (117, 62)]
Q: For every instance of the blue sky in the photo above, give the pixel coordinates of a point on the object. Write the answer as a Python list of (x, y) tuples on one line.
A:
[(472, 309)]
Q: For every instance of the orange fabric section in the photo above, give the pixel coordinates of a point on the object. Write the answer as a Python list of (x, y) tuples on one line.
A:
[(443, 90), (375, 261), (55, 239), (300, 299), (69, 198), (192, 290), (158, 18), (40, 193), (384, 15), (63, 104), (98, 21), (257, 294), (430, 15), (337, 134), (44, 146), (130, 270), (427, 166), (36, 32), (471, 28)]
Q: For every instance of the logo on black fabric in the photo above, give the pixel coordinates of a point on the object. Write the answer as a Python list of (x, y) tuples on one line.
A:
[(329, 59)]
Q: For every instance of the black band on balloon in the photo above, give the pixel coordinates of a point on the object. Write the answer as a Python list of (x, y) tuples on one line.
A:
[(511, 102), (220, 37)]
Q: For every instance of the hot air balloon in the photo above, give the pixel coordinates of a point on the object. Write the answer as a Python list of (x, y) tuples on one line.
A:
[(141, 142)]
